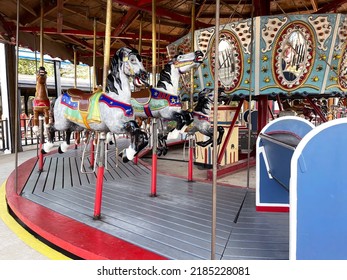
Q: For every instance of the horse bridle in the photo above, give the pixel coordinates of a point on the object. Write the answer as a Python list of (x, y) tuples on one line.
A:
[(142, 75)]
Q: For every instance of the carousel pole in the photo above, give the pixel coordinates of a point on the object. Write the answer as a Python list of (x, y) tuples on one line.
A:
[(136, 158), (94, 54), (154, 121), (40, 165), (16, 136), (75, 86), (102, 136), (140, 33), (75, 66), (92, 146), (107, 44), (100, 176), (215, 123), (191, 139)]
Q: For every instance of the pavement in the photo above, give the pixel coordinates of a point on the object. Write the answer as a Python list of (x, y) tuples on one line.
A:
[(18, 244)]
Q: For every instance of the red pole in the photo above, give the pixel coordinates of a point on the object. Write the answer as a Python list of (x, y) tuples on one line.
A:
[(136, 160), (98, 192), (40, 158), (154, 158), (191, 161), (262, 112), (100, 176), (154, 175)]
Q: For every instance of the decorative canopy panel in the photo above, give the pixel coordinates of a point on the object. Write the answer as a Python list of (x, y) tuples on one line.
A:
[(292, 54)]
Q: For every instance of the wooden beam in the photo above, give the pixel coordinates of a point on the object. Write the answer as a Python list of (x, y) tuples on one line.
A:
[(331, 7), (60, 7), (27, 8), (161, 12), (314, 5)]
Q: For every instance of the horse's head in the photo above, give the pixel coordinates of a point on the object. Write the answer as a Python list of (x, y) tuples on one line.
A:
[(188, 61), (205, 99), (41, 75), (129, 61)]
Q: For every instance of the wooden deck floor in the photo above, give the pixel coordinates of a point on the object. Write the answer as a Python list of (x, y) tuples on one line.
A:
[(176, 224)]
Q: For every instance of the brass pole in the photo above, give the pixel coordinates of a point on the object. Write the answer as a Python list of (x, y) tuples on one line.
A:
[(107, 43), (94, 55), (140, 34), (154, 46), (215, 123), (41, 35), (75, 66), (192, 49)]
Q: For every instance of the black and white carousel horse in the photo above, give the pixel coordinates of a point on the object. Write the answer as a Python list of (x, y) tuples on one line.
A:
[(109, 111), (201, 115), (163, 101)]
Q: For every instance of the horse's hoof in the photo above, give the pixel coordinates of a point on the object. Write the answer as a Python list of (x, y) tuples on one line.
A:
[(202, 144), (60, 151), (43, 152), (165, 151), (125, 159), (159, 152)]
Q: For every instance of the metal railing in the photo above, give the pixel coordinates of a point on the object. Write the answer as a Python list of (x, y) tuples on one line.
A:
[(4, 136), (28, 137)]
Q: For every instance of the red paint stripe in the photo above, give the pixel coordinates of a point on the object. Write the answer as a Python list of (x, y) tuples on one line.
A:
[(77, 238), (272, 208)]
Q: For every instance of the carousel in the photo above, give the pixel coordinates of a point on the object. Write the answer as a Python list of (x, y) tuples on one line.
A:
[(98, 199)]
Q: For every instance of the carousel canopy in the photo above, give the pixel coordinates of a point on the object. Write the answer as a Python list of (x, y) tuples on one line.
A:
[(68, 25)]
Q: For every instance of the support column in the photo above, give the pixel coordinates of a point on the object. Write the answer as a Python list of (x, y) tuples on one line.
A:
[(263, 112), (8, 92), (57, 79)]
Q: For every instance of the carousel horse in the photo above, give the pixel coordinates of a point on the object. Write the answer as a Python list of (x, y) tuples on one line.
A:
[(109, 111), (163, 101), (41, 104), (302, 108), (201, 120)]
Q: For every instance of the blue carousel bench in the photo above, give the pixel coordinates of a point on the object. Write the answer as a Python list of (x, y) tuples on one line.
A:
[(301, 169)]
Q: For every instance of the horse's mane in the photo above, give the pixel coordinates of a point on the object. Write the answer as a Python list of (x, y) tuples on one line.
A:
[(113, 76), (165, 76), (202, 105)]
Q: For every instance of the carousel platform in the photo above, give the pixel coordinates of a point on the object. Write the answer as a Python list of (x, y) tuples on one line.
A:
[(57, 205)]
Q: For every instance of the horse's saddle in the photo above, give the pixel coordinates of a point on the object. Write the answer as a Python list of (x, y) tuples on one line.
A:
[(143, 96), (83, 98)]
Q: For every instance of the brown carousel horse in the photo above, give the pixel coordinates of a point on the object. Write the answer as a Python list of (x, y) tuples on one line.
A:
[(41, 103)]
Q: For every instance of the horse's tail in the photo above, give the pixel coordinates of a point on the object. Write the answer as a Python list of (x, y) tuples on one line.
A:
[(51, 112)]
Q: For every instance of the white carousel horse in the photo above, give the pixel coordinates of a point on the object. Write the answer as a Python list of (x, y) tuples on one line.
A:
[(163, 101), (201, 120), (109, 111)]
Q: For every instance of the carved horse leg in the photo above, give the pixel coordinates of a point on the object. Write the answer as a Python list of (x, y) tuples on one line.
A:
[(220, 130), (162, 147), (179, 120), (138, 138), (50, 140), (209, 133), (64, 146)]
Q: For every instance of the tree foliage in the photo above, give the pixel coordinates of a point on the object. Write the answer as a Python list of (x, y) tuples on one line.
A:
[(30, 67)]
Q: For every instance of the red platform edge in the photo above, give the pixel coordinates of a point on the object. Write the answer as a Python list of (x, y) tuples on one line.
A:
[(72, 236), (231, 168)]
